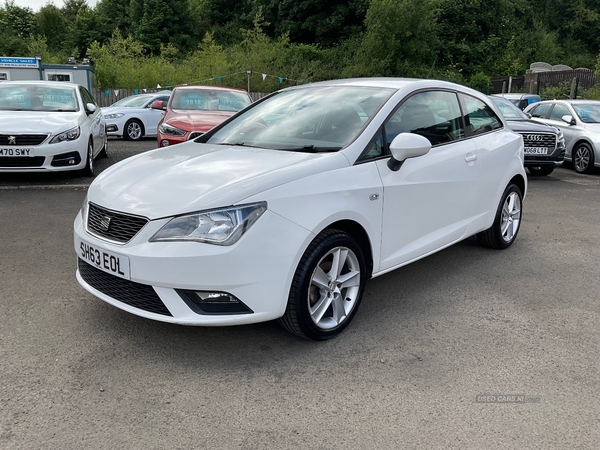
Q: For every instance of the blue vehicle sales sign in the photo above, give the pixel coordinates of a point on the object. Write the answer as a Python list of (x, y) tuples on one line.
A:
[(18, 62)]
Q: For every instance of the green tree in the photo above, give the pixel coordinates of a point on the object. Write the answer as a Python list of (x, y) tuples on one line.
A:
[(401, 39), (156, 22), (50, 19)]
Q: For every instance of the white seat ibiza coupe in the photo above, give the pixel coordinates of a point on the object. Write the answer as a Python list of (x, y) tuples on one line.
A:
[(285, 210)]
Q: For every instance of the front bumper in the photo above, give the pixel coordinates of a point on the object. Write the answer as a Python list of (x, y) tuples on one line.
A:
[(554, 160), (165, 140), (257, 270), (62, 156)]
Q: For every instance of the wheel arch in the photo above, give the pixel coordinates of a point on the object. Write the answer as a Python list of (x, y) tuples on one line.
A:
[(360, 235), (580, 140), (520, 182)]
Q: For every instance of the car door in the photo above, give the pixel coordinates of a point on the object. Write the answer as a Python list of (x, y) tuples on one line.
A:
[(570, 132), (94, 120), (153, 116), (428, 202)]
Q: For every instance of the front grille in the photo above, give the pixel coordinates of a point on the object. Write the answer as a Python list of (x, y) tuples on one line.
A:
[(539, 140), (21, 140), (112, 225), (141, 296), (21, 161)]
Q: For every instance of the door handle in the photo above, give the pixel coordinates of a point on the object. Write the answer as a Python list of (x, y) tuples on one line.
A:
[(470, 158)]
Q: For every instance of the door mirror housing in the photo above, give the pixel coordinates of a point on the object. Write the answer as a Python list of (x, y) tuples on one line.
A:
[(407, 145), (90, 108), (569, 119), (159, 104)]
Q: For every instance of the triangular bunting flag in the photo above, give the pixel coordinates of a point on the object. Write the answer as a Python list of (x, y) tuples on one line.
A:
[(106, 92), (136, 91), (264, 76), (116, 92), (158, 86)]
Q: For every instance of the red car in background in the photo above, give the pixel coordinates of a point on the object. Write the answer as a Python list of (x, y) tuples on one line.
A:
[(193, 110)]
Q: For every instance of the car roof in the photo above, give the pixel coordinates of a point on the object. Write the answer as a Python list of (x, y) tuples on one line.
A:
[(40, 83), (516, 95), (217, 88)]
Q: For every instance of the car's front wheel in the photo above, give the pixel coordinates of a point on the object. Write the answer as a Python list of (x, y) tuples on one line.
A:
[(327, 287), (583, 158), (540, 171), (507, 221), (88, 170), (134, 130)]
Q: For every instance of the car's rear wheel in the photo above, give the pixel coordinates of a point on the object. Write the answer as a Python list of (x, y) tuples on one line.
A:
[(507, 221), (327, 287), (134, 130), (104, 152), (540, 171), (583, 158)]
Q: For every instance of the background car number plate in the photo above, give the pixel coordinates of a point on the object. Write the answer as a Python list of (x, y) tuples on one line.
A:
[(110, 262), (536, 150), (16, 152)]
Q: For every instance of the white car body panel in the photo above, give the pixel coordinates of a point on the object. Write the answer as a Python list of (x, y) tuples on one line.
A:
[(433, 201)]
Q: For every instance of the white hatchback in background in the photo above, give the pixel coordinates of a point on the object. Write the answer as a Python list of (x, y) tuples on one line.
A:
[(133, 117), (285, 210), (49, 127)]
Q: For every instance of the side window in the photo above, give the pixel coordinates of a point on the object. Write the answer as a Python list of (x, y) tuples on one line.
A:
[(86, 97), (558, 111), (479, 117), (374, 150), (434, 115), (541, 110)]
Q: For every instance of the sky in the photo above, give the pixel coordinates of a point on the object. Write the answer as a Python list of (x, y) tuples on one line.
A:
[(37, 4)]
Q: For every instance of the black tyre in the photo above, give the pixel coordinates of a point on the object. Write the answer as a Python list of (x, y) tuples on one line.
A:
[(134, 130), (507, 222), (583, 158), (327, 287), (88, 170), (540, 171), (104, 152)]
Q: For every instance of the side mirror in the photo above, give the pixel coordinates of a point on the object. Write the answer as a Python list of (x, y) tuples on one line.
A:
[(407, 145), (528, 115), (90, 108), (159, 104), (569, 119)]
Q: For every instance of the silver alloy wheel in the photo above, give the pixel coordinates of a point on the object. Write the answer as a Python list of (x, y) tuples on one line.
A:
[(134, 130), (334, 288), (581, 159), (511, 217)]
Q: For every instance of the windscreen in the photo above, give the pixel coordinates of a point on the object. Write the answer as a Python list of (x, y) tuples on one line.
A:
[(37, 98), (588, 112), (509, 110), (209, 100), (320, 118), (134, 101)]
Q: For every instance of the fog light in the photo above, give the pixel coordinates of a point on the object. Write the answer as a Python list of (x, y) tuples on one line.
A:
[(71, 161), (164, 143), (207, 302)]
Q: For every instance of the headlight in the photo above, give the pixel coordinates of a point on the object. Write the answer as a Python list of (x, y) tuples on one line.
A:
[(113, 116), (219, 226), (69, 135), (560, 139), (165, 128)]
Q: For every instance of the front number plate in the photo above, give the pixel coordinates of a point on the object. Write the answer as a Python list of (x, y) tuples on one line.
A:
[(536, 150), (117, 265), (16, 152)]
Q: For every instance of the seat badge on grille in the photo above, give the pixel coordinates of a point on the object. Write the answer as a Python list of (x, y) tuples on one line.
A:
[(12, 140), (105, 223)]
